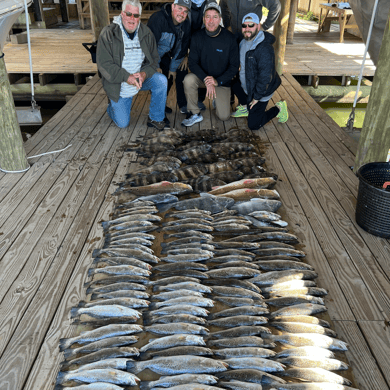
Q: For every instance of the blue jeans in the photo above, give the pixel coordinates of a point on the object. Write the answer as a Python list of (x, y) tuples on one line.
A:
[(119, 111)]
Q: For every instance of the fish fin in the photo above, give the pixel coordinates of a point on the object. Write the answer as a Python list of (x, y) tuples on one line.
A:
[(162, 207), (60, 379), (64, 344)]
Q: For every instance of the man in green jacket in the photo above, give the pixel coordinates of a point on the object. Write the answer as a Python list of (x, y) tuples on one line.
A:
[(127, 60)]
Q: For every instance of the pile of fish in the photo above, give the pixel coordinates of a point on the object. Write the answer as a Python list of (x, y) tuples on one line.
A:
[(228, 303)]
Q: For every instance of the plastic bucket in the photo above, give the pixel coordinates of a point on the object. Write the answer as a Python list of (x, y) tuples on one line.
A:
[(373, 202)]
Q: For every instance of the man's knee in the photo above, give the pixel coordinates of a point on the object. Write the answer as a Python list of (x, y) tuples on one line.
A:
[(253, 125), (160, 79), (189, 80)]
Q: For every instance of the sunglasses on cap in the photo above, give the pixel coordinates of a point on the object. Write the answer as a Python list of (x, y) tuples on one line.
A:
[(129, 14), (250, 25)]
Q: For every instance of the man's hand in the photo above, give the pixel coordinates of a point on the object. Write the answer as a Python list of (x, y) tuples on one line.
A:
[(210, 92), (252, 103), (184, 63), (132, 80), (172, 74), (140, 76), (210, 81)]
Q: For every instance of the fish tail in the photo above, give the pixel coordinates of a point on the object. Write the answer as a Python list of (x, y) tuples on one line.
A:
[(68, 353), (74, 312), (146, 385), (132, 367), (60, 379), (64, 344), (91, 271)]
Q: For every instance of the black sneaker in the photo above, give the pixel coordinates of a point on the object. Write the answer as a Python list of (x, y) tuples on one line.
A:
[(168, 110), (162, 125)]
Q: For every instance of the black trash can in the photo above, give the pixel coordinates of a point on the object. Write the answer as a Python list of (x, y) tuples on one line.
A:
[(373, 202)]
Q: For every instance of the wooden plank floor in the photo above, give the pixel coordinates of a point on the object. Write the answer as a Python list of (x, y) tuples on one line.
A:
[(49, 226), (311, 53)]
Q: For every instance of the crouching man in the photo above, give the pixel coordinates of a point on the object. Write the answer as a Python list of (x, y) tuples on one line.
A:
[(258, 77), (213, 61), (127, 59)]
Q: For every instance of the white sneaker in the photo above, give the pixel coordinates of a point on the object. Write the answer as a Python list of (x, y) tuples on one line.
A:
[(192, 119)]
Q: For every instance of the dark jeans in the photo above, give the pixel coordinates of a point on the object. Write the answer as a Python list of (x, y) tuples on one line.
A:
[(258, 116), (164, 65)]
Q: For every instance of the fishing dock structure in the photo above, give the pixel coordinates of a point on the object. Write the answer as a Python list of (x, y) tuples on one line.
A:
[(61, 65), (50, 224)]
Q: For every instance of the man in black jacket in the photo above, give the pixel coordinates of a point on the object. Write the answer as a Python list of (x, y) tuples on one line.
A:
[(172, 30), (258, 77), (213, 61), (234, 10)]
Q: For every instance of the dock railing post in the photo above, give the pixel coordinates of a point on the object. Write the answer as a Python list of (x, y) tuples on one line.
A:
[(280, 32), (291, 21), (99, 16), (374, 141), (12, 154)]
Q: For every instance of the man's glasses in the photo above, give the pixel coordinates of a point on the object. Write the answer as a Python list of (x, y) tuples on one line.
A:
[(250, 25), (129, 14)]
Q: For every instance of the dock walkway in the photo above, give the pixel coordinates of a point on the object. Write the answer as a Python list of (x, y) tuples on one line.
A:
[(49, 226)]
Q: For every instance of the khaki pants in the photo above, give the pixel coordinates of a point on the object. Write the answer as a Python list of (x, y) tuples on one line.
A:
[(222, 102)]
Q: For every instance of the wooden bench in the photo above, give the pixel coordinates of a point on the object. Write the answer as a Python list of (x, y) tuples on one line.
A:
[(332, 12)]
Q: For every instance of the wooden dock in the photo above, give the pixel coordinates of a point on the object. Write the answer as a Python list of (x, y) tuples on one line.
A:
[(57, 53), (49, 226)]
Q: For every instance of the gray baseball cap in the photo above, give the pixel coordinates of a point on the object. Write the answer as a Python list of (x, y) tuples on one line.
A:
[(184, 3), (213, 5)]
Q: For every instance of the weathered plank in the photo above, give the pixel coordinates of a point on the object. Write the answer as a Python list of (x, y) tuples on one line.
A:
[(365, 369)]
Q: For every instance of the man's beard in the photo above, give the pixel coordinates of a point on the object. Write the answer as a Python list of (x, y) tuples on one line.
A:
[(253, 34)]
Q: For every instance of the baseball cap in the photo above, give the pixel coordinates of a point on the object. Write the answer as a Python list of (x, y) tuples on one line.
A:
[(251, 17), (213, 5), (184, 3)]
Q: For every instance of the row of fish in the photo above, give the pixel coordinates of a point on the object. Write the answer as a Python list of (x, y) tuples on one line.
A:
[(228, 303)]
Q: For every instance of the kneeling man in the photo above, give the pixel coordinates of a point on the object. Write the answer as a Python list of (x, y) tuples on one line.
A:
[(258, 76), (213, 61), (127, 60)]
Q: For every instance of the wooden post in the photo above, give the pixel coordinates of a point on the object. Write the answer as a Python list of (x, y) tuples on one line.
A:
[(12, 153), (99, 16), (374, 141), (280, 32), (291, 21), (64, 11)]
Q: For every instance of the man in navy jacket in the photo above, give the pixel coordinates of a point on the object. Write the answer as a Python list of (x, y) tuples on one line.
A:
[(258, 76), (213, 61)]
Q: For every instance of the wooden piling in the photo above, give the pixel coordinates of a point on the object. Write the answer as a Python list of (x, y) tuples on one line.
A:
[(12, 153), (374, 142)]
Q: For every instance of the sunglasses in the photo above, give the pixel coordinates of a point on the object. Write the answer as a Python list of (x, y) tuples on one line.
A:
[(129, 14), (250, 25)]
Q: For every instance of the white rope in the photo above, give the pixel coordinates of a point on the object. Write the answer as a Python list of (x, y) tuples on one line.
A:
[(352, 115), (38, 155), (33, 103)]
